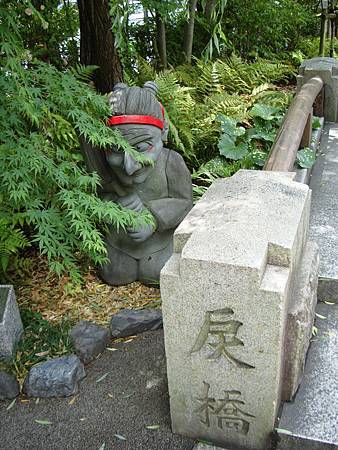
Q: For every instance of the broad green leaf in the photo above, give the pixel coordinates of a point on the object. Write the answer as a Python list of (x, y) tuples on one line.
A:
[(216, 166), (306, 158), (262, 133), (229, 149), (265, 112)]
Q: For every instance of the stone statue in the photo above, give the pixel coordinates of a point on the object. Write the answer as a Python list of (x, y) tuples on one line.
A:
[(164, 188)]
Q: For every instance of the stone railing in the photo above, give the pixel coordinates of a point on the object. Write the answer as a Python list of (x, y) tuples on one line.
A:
[(240, 290), (317, 90)]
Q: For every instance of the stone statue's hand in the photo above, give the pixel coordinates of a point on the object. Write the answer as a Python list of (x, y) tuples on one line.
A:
[(132, 202), (141, 234)]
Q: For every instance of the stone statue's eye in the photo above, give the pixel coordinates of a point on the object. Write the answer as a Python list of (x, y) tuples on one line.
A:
[(142, 146)]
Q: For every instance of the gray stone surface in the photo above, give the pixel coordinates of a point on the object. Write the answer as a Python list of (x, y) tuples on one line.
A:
[(324, 213), (89, 340), (224, 294), (9, 386), (120, 404), (57, 377), (301, 315), (310, 422), (128, 322), (11, 327), (162, 186), (327, 69)]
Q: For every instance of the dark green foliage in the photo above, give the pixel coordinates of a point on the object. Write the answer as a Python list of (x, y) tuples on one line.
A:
[(46, 196), (268, 29), (41, 341)]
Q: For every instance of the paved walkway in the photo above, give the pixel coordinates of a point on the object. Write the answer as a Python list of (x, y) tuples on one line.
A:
[(115, 412), (324, 212)]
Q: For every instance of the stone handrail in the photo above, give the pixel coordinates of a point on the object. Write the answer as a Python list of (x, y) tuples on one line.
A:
[(296, 128)]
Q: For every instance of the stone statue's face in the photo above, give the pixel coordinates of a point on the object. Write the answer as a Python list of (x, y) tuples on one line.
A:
[(147, 140)]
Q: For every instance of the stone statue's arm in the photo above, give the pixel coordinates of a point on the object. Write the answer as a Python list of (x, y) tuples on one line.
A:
[(170, 211)]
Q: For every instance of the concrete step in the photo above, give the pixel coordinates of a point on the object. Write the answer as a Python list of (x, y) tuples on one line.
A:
[(310, 422), (324, 212)]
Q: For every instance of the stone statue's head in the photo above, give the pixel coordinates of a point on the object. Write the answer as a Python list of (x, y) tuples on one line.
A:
[(139, 116)]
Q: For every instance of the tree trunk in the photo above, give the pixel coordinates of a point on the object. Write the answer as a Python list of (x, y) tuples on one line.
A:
[(161, 40), (189, 32), (97, 44)]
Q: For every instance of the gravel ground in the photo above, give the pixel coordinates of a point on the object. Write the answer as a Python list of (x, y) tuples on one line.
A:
[(113, 413)]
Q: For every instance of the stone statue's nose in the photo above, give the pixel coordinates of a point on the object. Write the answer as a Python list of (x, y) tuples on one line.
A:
[(130, 164)]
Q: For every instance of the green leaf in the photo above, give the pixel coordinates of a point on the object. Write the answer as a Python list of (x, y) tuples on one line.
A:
[(229, 149), (43, 422), (265, 112), (316, 123), (229, 126), (306, 158)]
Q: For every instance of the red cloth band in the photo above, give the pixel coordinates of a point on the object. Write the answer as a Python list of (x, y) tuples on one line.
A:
[(144, 120)]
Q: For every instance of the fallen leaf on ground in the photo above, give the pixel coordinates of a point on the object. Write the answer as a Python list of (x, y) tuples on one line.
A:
[(118, 436), (102, 378), (71, 401), (83, 418), (281, 430), (10, 406), (110, 395), (43, 422), (320, 316), (111, 349), (42, 353), (152, 427)]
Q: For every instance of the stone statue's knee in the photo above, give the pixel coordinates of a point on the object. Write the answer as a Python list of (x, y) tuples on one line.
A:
[(121, 269)]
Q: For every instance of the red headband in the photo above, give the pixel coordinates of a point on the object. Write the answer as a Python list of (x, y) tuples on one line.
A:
[(138, 119)]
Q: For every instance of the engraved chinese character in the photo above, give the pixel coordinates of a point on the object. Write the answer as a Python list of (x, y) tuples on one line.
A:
[(228, 411), (224, 331)]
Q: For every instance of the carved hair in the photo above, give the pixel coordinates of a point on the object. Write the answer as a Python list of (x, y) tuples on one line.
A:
[(126, 100)]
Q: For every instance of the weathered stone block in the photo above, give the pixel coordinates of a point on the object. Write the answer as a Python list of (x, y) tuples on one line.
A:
[(9, 386), (57, 377), (301, 315), (89, 340), (11, 327), (225, 294), (327, 69), (130, 321)]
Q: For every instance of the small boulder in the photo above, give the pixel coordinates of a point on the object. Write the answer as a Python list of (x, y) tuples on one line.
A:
[(128, 322), (57, 377), (9, 386), (89, 340)]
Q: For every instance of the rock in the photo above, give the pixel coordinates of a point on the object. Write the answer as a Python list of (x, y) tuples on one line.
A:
[(11, 327), (55, 378), (225, 295), (128, 322), (9, 386), (89, 340)]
